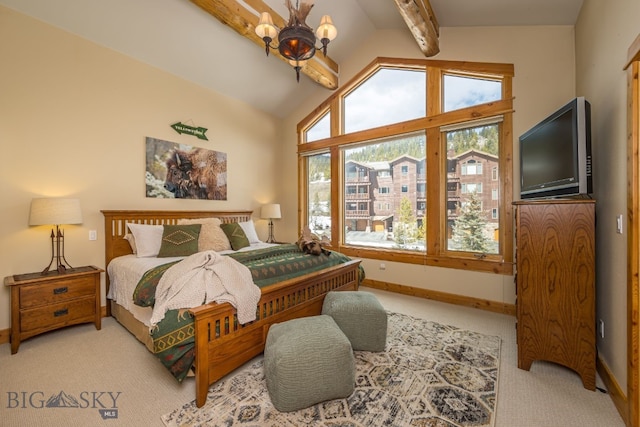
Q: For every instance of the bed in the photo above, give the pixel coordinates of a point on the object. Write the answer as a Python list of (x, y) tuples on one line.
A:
[(221, 343)]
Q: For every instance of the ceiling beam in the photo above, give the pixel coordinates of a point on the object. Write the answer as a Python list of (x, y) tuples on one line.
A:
[(323, 70), (423, 24)]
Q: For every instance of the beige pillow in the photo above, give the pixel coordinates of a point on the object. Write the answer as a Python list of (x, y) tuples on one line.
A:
[(212, 238)]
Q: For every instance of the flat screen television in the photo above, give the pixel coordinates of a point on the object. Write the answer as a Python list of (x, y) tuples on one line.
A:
[(555, 155)]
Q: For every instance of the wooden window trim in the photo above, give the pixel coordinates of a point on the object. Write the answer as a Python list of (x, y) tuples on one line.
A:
[(436, 253)]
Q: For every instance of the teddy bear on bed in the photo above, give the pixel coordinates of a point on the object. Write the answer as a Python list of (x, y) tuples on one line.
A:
[(311, 243)]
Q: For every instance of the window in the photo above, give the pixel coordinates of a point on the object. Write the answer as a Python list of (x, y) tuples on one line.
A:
[(411, 187), (319, 194), (403, 98), (472, 168), (320, 130), (466, 91), (382, 228), (470, 226), (471, 188)]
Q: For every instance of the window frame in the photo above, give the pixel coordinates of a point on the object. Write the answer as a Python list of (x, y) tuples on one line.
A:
[(436, 252)]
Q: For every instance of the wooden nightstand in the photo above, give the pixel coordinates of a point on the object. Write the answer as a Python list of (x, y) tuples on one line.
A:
[(44, 302)]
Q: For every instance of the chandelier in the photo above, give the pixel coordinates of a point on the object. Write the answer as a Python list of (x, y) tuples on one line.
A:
[(296, 40)]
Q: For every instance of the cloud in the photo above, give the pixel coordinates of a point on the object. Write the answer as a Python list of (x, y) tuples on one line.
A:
[(461, 92)]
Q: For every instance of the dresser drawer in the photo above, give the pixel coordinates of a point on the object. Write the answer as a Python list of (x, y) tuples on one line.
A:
[(51, 293), (57, 315)]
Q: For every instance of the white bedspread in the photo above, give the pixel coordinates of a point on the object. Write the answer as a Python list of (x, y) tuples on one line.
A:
[(207, 277)]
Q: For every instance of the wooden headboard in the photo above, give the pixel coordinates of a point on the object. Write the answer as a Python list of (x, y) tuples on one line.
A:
[(115, 225)]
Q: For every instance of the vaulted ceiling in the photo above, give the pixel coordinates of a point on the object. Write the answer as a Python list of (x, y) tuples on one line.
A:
[(183, 38)]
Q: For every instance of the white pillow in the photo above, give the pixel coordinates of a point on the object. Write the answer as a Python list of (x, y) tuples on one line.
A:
[(249, 229), (211, 235), (148, 239), (132, 242)]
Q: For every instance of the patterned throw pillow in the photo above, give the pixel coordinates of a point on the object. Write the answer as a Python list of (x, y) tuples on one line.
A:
[(236, 235), (179, 240), (212, 238)]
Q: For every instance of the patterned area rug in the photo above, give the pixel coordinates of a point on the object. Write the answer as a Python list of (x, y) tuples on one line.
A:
[(430, 375)]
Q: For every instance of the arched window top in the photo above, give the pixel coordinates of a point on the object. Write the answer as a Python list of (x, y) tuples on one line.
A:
[(320, 130), (390, 95), (391, 90)]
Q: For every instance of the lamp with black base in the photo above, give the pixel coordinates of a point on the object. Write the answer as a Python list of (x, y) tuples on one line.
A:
[(271, 212), (56, 211)]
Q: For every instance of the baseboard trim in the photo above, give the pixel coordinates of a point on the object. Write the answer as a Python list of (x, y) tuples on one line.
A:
[(4, 336), (615, 392), (482, 304)]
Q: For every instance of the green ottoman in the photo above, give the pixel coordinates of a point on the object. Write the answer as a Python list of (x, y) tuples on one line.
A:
[(360, 316), (307, 361)]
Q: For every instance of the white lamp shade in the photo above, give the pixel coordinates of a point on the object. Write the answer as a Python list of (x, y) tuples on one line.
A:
[(326, 29), (271, 211), (265, 27), (55, 211)]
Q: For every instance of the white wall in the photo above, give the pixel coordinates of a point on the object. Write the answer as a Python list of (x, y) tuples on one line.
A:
[(73, 122), (604, 32), (544, 80)]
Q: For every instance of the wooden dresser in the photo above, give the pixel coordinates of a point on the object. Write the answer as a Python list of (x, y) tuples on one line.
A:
[(44, 302), (555, 285)]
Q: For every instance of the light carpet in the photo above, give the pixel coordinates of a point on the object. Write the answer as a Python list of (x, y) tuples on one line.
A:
[(430, 375)]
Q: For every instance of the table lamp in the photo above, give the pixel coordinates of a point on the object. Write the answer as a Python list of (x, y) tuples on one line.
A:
[(56, 211), (271, 212)]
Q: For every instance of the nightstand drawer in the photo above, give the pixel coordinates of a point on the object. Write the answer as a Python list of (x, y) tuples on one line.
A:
[(56, 315), (52, 293)]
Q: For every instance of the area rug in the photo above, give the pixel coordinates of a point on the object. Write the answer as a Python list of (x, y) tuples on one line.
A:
[(430, 375)]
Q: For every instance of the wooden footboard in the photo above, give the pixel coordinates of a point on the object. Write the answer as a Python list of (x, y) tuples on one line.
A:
[(223, 345)]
